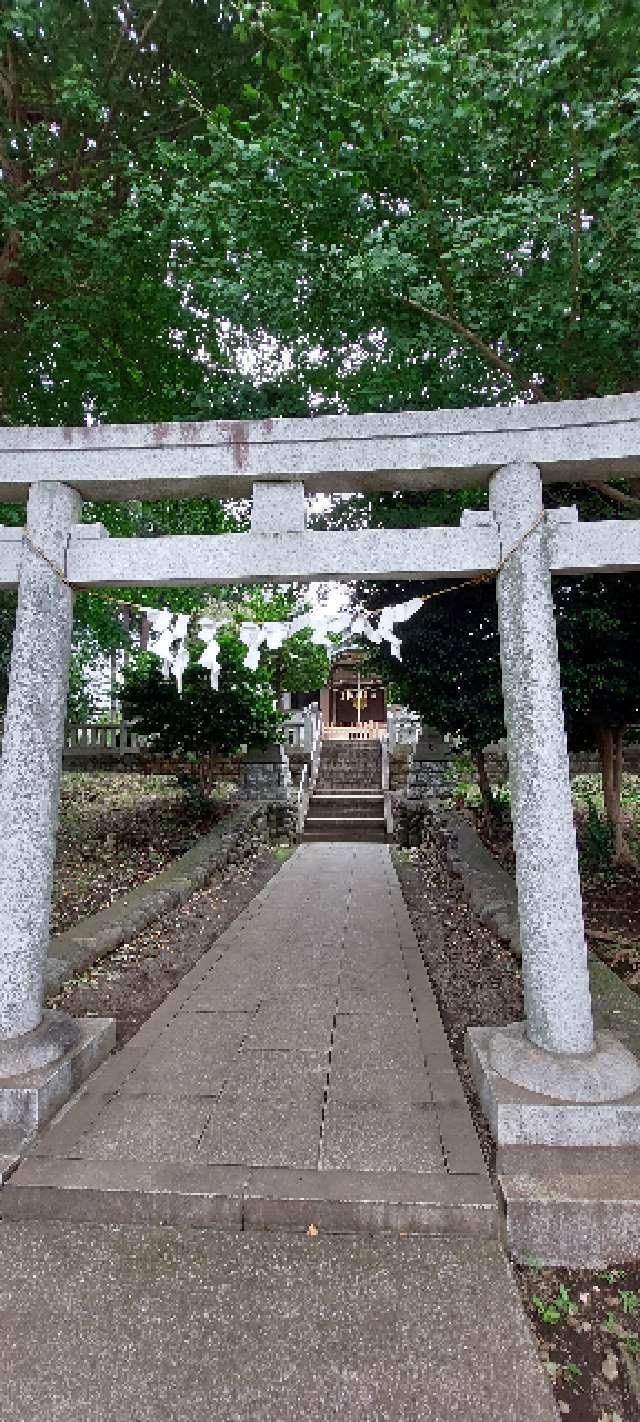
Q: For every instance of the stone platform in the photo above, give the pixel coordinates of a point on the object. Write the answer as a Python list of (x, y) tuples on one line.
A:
[(299, 1075)]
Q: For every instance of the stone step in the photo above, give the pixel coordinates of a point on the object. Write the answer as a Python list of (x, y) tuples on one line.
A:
[(365, 750), (338, 787), (371, 830), (349, 766), (344, 785), (346, 807), (577, 1204), (246, 1198)]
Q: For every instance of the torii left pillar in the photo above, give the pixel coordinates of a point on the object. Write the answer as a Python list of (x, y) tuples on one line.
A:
[(43, 1056)]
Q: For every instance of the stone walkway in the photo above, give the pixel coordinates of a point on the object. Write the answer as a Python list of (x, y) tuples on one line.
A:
[(299, 1076)]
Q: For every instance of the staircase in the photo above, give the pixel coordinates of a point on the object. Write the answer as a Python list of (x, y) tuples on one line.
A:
[(347, 802)]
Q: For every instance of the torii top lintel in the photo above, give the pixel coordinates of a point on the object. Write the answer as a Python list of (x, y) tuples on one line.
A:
[(572, 440)]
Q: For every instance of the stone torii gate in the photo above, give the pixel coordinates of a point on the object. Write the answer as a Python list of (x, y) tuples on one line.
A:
[(555, 1053)]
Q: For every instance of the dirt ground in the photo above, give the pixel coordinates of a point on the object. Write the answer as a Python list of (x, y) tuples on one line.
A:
[(610, 896), (587, 1324), (114, 832)]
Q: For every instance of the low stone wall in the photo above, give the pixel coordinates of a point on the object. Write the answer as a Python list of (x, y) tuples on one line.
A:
[(148, 763), (582, 763), (243, 832), (488, 888), (398, 767)]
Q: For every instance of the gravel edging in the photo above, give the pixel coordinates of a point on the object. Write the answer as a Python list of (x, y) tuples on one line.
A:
[(241, 833)]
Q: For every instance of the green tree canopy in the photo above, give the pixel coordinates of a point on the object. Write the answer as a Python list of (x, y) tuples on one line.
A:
[(450, 669), (287, 206)]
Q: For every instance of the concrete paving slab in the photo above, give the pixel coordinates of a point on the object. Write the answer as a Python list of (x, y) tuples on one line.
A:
[(254, 1328), (264, 1130), (459, 1139), (368, 998), (383, 1031), (192, 1056), (147, 1129), (239, 992), (367, 1081), (304, 1030), (289, 1073), (360, 1136)]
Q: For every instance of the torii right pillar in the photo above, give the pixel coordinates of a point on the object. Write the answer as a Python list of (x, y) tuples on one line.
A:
[(552, 1079)]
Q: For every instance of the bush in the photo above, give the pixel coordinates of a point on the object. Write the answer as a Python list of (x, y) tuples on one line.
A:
[(199, 720), (596, 841)]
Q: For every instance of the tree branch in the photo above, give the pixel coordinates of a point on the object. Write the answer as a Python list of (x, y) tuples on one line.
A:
[(453, 324), (576, 234), (616, 495)]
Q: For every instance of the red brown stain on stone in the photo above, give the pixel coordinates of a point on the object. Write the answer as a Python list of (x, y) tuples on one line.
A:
[(189, 430), (236, 432), (160, 432)]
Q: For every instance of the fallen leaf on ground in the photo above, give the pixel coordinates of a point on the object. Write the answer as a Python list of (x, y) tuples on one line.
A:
[(610, 1367)]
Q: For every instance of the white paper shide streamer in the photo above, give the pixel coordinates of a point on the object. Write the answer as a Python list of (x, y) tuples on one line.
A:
[(169, 641)]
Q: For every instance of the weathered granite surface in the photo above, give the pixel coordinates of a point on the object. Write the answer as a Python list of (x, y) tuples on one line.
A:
[(554, 954), (266, 774), (30, 767)]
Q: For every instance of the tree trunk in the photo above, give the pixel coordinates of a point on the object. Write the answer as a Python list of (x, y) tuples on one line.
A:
[(126, 619), (277, 679), (113, 675), (610, 746), (484, 784)]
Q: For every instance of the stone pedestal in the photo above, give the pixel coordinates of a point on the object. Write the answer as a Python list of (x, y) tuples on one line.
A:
[(430, 779), (266, 775), (536, 1098), (38, 1081)]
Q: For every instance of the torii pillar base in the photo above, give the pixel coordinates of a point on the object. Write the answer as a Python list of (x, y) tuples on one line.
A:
[(40, 1070), (590, 1100)]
